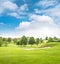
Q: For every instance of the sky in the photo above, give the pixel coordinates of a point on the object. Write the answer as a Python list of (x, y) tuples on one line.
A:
[(38, 18)]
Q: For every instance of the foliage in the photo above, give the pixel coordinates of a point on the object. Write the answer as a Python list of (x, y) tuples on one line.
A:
[(1, 41), (46, 38), (9, 40), (50, 39), (23, 40), (27, 40), (37, 41), (32, 40)]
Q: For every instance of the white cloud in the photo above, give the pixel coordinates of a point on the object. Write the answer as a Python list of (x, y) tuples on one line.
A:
[(10, 6), (23, 25), (47, 3), (42, 19), (12, 9), (14, 14), (7, 6), (23, 8), (40, 26), (53, 11)]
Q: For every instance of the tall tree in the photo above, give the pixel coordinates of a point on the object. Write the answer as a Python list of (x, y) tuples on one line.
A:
[(1, 41), (41, 40), (37, 41), (50, 39), (23, 40), (9, 40), (5, 41), (15, 40), (31, 40), (46, 38), (55, 39)]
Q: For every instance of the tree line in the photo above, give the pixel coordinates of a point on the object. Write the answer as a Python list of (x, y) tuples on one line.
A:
[(27, 40)]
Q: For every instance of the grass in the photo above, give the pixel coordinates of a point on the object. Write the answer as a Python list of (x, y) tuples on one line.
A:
[(18, 55)]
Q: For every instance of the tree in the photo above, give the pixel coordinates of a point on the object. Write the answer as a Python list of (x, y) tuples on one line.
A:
[(5, 41), (23, 41), (31, 40), (46, 38), (50, 39), (55, 39), (1, 41), (37, 41), (41, 40), (58, 39), (9, 40), (15, 40)]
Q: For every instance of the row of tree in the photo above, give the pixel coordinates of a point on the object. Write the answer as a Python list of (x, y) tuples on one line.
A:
[(27, 40)]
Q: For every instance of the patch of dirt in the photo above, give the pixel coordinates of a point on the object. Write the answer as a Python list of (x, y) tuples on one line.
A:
[(46, 47), (36, 48), (29, 48)]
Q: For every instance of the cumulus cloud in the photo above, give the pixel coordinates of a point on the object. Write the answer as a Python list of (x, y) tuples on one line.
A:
[(54, 13), (23, 25), (50, 8), (41, 19), (40, 26)]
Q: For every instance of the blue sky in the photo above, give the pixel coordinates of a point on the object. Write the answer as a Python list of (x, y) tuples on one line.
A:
[(38, 18)]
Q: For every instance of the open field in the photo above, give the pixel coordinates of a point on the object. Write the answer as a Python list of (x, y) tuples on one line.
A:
[(24, 55)]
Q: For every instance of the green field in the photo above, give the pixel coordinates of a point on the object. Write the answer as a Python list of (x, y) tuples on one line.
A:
[(24, 55)]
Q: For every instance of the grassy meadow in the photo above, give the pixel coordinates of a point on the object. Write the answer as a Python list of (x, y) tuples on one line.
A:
[(47, 53)]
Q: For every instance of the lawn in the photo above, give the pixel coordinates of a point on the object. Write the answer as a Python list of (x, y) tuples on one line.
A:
[(23, 55)]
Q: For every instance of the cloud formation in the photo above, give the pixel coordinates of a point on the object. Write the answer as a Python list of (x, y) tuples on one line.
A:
[(23, 25), (7, 6), (12, 9), (47, 3), (38, 18), (40, 26)]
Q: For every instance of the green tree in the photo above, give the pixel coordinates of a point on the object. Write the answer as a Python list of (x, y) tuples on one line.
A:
[(55, 39), (1, 41), (58, 39), (31, 40), (15, 40), (50, 39), (41, 40), (46, 38), (37, 41), (5, 41), (23, 40), (9, 40)]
